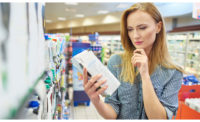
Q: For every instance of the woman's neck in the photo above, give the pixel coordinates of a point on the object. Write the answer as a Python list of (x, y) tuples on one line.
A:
[(147, 51)]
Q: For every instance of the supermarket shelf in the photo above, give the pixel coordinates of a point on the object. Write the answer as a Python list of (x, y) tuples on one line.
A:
[(186, 51), (177, 38), (191, 60), (189, 52), (175, 51), (198, 39), (191, 71), (14, 111)]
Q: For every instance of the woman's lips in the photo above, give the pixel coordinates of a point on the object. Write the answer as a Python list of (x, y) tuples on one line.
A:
[(138, 42)]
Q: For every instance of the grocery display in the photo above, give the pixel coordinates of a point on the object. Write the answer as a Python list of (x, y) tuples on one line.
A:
[(111, 45), (59, 102), (184, 48), (22, 59)]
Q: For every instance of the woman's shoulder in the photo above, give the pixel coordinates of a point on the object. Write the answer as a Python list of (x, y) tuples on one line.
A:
[(115, 59), (168, 73), (114, 64)]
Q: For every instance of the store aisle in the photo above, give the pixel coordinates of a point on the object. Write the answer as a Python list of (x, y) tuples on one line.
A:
[(86, 112)]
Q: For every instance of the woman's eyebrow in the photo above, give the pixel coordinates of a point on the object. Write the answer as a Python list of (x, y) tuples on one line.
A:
[(141, 25), (137, 25), (129, 27)]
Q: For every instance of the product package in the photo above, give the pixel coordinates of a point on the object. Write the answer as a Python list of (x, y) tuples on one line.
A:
[(93, 65)]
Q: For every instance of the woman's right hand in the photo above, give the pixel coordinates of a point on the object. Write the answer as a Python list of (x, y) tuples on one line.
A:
[(91, 87)]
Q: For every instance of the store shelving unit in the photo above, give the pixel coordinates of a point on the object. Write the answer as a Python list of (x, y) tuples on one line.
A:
[(23, 45), (49, 90), (20, 112), (60, 104), (177, 47), (184, 48), (111, 44)]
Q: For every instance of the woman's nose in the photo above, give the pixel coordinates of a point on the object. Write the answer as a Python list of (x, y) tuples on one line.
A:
[(136, 34)]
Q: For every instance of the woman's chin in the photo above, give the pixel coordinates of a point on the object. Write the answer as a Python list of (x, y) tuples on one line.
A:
[(139, 47)]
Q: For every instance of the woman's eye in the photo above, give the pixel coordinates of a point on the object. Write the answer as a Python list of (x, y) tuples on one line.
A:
[(129, 29), (142, 28)]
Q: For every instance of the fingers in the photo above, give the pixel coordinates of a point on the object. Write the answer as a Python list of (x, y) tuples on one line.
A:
[(139, 56), (92, 81), (137, 62), (96, 86), (94, 96), (92, 87), (100, 91), (139, 51), (136, 55), (85, 76)]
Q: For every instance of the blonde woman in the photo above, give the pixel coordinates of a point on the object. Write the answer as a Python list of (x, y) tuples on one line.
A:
[(149, 80)]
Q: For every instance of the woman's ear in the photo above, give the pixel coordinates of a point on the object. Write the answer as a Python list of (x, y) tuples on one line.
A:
[(158, 27)]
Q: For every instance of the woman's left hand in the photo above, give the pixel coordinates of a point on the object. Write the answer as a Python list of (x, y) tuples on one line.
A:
[(140, 60)]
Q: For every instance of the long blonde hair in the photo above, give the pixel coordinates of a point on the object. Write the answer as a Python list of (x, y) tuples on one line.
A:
[(159, 53)]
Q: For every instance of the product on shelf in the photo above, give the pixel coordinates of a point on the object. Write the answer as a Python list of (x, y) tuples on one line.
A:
[(22, 54), (111, 45), (193, 103), (190, 80), (61, 50), (176, 47), (184, 48)]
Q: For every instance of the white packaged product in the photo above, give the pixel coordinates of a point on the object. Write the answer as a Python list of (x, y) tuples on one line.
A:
[(93, 65), (193, 103)]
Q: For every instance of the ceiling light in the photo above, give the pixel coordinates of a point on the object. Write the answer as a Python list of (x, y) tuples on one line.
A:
[(79, 15), (71, 3), (88, 21), (67, 9), (110, 19), (61, 18), (102, 12), (73, 10), (48, 21), (122, 5), (70, 10)]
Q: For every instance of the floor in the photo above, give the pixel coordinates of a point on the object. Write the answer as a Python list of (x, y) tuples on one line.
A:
[(86, 112)]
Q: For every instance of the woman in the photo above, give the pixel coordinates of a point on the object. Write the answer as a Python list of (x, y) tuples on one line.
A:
[(149, 80)]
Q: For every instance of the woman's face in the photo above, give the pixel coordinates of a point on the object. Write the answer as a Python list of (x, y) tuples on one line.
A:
[(142, 29)]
